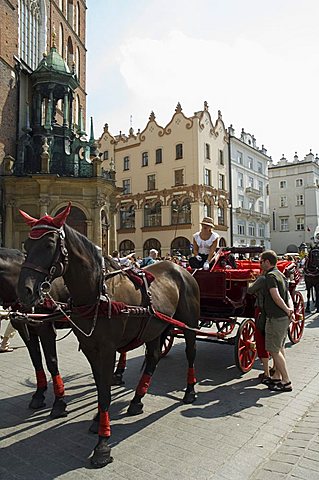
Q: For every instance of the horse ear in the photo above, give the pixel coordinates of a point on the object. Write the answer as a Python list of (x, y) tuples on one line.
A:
[(60, 219), (28, 220)]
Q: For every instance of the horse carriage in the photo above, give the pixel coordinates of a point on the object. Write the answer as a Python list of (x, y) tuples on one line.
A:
[(228, 312)]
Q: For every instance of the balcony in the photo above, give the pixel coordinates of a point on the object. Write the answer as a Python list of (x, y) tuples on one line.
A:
[(252, 214), (253, 192)]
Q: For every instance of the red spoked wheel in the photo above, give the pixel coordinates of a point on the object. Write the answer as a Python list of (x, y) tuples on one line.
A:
[(167, 345), (225, 327), (296, 328), (245, 345)]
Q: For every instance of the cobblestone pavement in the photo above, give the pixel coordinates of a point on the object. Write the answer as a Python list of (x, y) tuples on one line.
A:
[(237, 429)]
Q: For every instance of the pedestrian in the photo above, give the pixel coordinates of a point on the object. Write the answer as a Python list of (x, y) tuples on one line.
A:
[(279, 311), (258, 289), (204, 245), (150, 259), (5, 340), (126, 261)]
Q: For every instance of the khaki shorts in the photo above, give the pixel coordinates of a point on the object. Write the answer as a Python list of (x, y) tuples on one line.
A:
[(276, 332)]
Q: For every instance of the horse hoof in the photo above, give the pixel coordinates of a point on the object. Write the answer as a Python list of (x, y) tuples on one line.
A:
[(37, 401), (117, 379), (101, 456), (189, 397), (58, 409), (94, 427), (135, 408)]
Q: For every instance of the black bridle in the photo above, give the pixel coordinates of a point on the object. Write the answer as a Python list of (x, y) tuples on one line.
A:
[(59, 263)]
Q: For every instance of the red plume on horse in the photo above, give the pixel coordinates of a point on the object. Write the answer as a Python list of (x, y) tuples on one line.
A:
[(47, 222)]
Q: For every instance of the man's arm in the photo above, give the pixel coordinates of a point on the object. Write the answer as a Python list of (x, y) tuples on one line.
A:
[(256, 286), (289, 311)]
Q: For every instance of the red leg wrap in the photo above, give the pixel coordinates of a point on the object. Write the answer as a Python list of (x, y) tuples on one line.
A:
[(122, 361), (41, 379), (143, 385), (191, 379), (104, 425), (58, 386)]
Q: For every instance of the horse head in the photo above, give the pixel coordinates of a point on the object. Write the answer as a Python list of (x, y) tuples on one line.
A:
[(46, 256)]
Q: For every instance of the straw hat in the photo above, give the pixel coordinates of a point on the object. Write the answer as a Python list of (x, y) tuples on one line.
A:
[(208, 221)]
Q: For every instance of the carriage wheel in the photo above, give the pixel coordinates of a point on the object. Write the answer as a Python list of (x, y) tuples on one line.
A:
[(245, 345), (167, 345), (295, 330), (225, 327)]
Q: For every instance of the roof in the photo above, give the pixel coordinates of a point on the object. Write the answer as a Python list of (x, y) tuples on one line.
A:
[(53, 62)]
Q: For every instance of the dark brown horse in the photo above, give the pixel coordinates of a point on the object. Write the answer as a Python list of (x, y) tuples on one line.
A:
[(311, 276), (102, 328), (10, 267)]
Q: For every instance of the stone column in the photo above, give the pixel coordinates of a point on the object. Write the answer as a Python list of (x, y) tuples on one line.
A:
[(8, 233), (97, 228), (44, 203)]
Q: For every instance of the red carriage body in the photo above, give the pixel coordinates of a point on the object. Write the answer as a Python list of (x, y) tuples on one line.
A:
[(225, 303)]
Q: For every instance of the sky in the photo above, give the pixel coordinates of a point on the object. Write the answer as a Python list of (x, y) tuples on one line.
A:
[(255, 60)]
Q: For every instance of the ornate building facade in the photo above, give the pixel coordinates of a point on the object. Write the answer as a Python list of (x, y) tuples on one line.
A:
[(294, 202), (46, 159), (249, 192), (169, 178)]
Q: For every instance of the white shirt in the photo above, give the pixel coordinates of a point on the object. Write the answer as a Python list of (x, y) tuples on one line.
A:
[(204, 245)]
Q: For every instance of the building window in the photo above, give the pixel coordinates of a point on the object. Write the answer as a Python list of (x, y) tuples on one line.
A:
[(106, 155), (151, 182), (207, 151), (283, 201), (259, 167), (261, 206), (300, 223), (241, 200), (299, 182), (283, 184), (126, 247), (207, 177), (61, 40), (261, 230), (180, 212), (241, 229), (221, 157), (29, 35), (299, 200), (126, 186), (240, 180), (159, 155), (70, 12), (179, 177), (77, 21), (153, 215), (127, 217), (144, 159), (77, 62), (221, 181), (179, 151), (250, 163), (221, 216), (207, 210), (261, 187), (126, 163), (284, 226), (251, 182), (251, 229), (69, 53), (240, 158)]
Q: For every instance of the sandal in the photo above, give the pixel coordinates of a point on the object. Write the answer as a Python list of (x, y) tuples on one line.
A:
[(280, 387), (270, 381)]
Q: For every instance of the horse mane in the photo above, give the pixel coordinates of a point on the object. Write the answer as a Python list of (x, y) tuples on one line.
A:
[(109, 261), (10, 254), (80, 240)]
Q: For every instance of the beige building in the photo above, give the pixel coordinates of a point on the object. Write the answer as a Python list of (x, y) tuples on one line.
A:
[(169, 178), (294, 202)]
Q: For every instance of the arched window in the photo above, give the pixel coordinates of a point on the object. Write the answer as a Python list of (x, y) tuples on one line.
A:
[(153, 215), (181, 245), (222, 242), (77, 19), (127, 217), (61, 40), (149, 244), (70, 12), (126, 247), (31, 31), (77, 62), (70, 54)]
